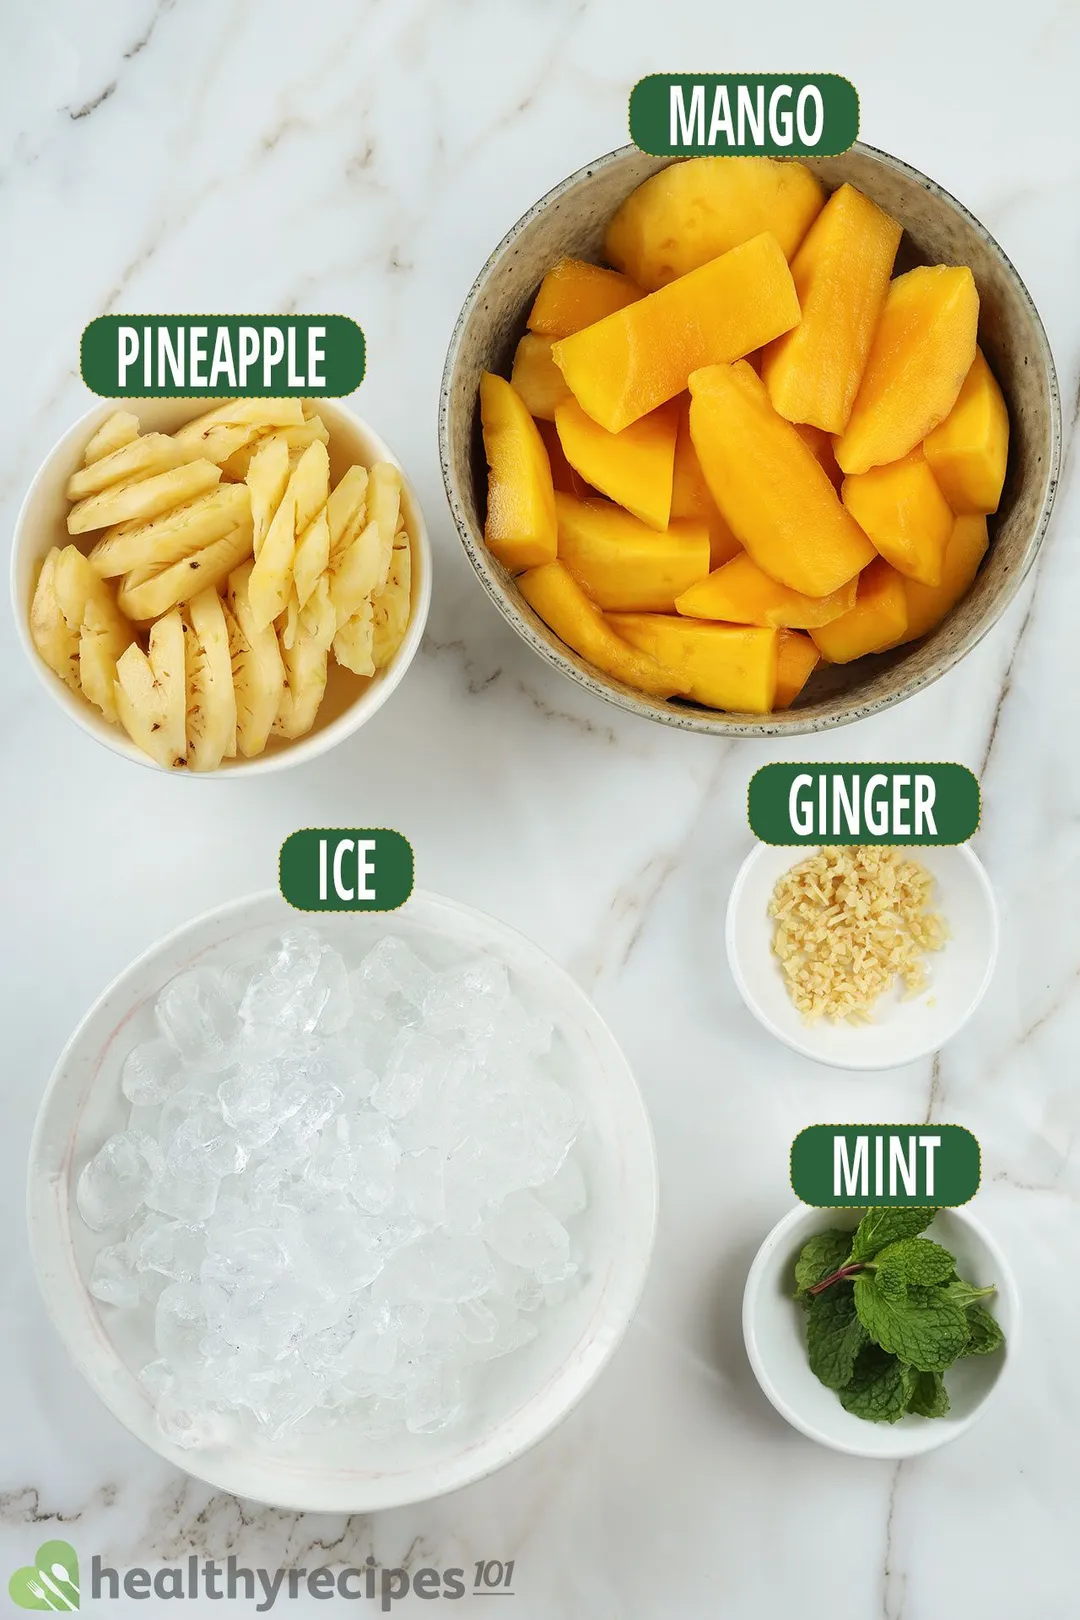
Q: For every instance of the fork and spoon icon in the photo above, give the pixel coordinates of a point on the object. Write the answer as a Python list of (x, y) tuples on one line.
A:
[(48, 1589)]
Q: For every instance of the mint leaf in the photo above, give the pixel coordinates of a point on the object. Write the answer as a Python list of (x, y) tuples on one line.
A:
[(965, 1294), (823, 1255), (880, 1389), (834, 1336), (926, 1330), (880, 1227), (929, 1397), (985, 1333), (915, 1260)]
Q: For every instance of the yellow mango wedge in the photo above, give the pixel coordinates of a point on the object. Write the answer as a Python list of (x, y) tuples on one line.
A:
[(821, 444), (640, 357), (520, 528), (556, 597), (690, 212), (575, 294), (878, 619), (690, 497), (770, 486), (623, 563), (537, 378), (740, 593), (968, 452), (841, 274), (633, 467), (563, 475), (923, 348), (902, 510), (797, 660), (724, 666), (927, 605)]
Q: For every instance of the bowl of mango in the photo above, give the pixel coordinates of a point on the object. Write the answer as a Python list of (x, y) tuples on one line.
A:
[(751, 446)]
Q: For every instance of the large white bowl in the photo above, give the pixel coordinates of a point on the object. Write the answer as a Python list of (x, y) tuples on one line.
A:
[(524, 1395), (774, 1328), (903, 1030), (350, 700)]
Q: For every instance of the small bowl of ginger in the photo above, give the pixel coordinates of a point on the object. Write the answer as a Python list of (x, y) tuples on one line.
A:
[(215, 587)]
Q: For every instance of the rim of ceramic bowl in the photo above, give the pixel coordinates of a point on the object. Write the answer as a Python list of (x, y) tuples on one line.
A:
[(935, 1437), (358, 712), (72, 1310), (806, 1048), (716, 723)]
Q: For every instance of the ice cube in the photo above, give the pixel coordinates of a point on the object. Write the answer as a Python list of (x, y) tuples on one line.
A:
[(113, 1277), (528, 1235), (336, 1241), (114, 1183), (199, 1020), (565, 1193), (442, 1269), (174, 1248), (471, 999), (179, 1326), (187, 1191), (433, 1402), (254, 1260), (392, 968), (151, 1072)]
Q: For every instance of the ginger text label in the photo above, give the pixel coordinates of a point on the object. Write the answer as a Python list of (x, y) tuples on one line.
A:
[(864, 803)]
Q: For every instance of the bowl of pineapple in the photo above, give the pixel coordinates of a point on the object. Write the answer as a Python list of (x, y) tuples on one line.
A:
[(220, 587), (750, 446)]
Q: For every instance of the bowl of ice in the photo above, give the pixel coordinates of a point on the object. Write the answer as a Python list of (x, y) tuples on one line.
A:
[(343, 1212)]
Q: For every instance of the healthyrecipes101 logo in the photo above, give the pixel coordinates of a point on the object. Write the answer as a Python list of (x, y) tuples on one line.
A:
[(52, 1581)]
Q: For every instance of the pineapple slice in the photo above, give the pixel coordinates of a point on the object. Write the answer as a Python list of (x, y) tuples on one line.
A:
[(296, 440), (146, 593), (53, 637), (105, 636), (211, 700), (305, 495), (384, 508), (151, 693), (176, 534), (267, 480), (391, 606), (137, 457), (312, 557), (257, 669), (354, 643), (220, 433), (142, 497), (117, 430), (305, 662)]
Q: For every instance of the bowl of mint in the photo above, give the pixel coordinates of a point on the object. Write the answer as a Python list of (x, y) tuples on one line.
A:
[(880, 1332)]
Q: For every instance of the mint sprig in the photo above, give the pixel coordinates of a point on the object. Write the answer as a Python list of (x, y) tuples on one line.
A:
[(887, 1315)]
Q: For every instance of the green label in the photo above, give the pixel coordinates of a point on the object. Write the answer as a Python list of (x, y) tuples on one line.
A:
[(346, 869), (850, 1166), (222, 356), (864, 803), (739, 114), (50, 1582)]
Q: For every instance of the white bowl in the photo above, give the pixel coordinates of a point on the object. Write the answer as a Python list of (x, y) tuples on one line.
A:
[(774, 1329), (523, 1395), (903, 1031), (350, 699)]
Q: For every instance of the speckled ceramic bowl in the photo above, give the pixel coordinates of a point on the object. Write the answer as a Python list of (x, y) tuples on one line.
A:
[(937, 230)]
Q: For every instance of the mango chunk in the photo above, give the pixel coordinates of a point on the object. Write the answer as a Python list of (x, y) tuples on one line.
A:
[(563, 475), (797, 660), (574, 294), (841, 275), (922, 350), (821, 444), (520, 528), (770, 486), (555, 595), (690, 212), (623, 563), (640, 357), (740, 593), (927, 605), (633, 467), (968, 452), (904, 513), (537, 378), (878, 619), (690, 497), (724, 666)]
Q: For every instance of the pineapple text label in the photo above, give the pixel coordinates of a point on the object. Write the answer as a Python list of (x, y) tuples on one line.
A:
[(197, 359)]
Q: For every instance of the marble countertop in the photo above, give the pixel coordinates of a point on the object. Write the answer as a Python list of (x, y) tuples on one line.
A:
[(365, 157)]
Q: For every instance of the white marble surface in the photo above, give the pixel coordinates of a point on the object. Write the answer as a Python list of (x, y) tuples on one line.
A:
[(364, 156)]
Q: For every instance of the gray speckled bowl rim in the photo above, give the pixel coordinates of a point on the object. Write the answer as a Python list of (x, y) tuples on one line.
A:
[(716, 723)]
